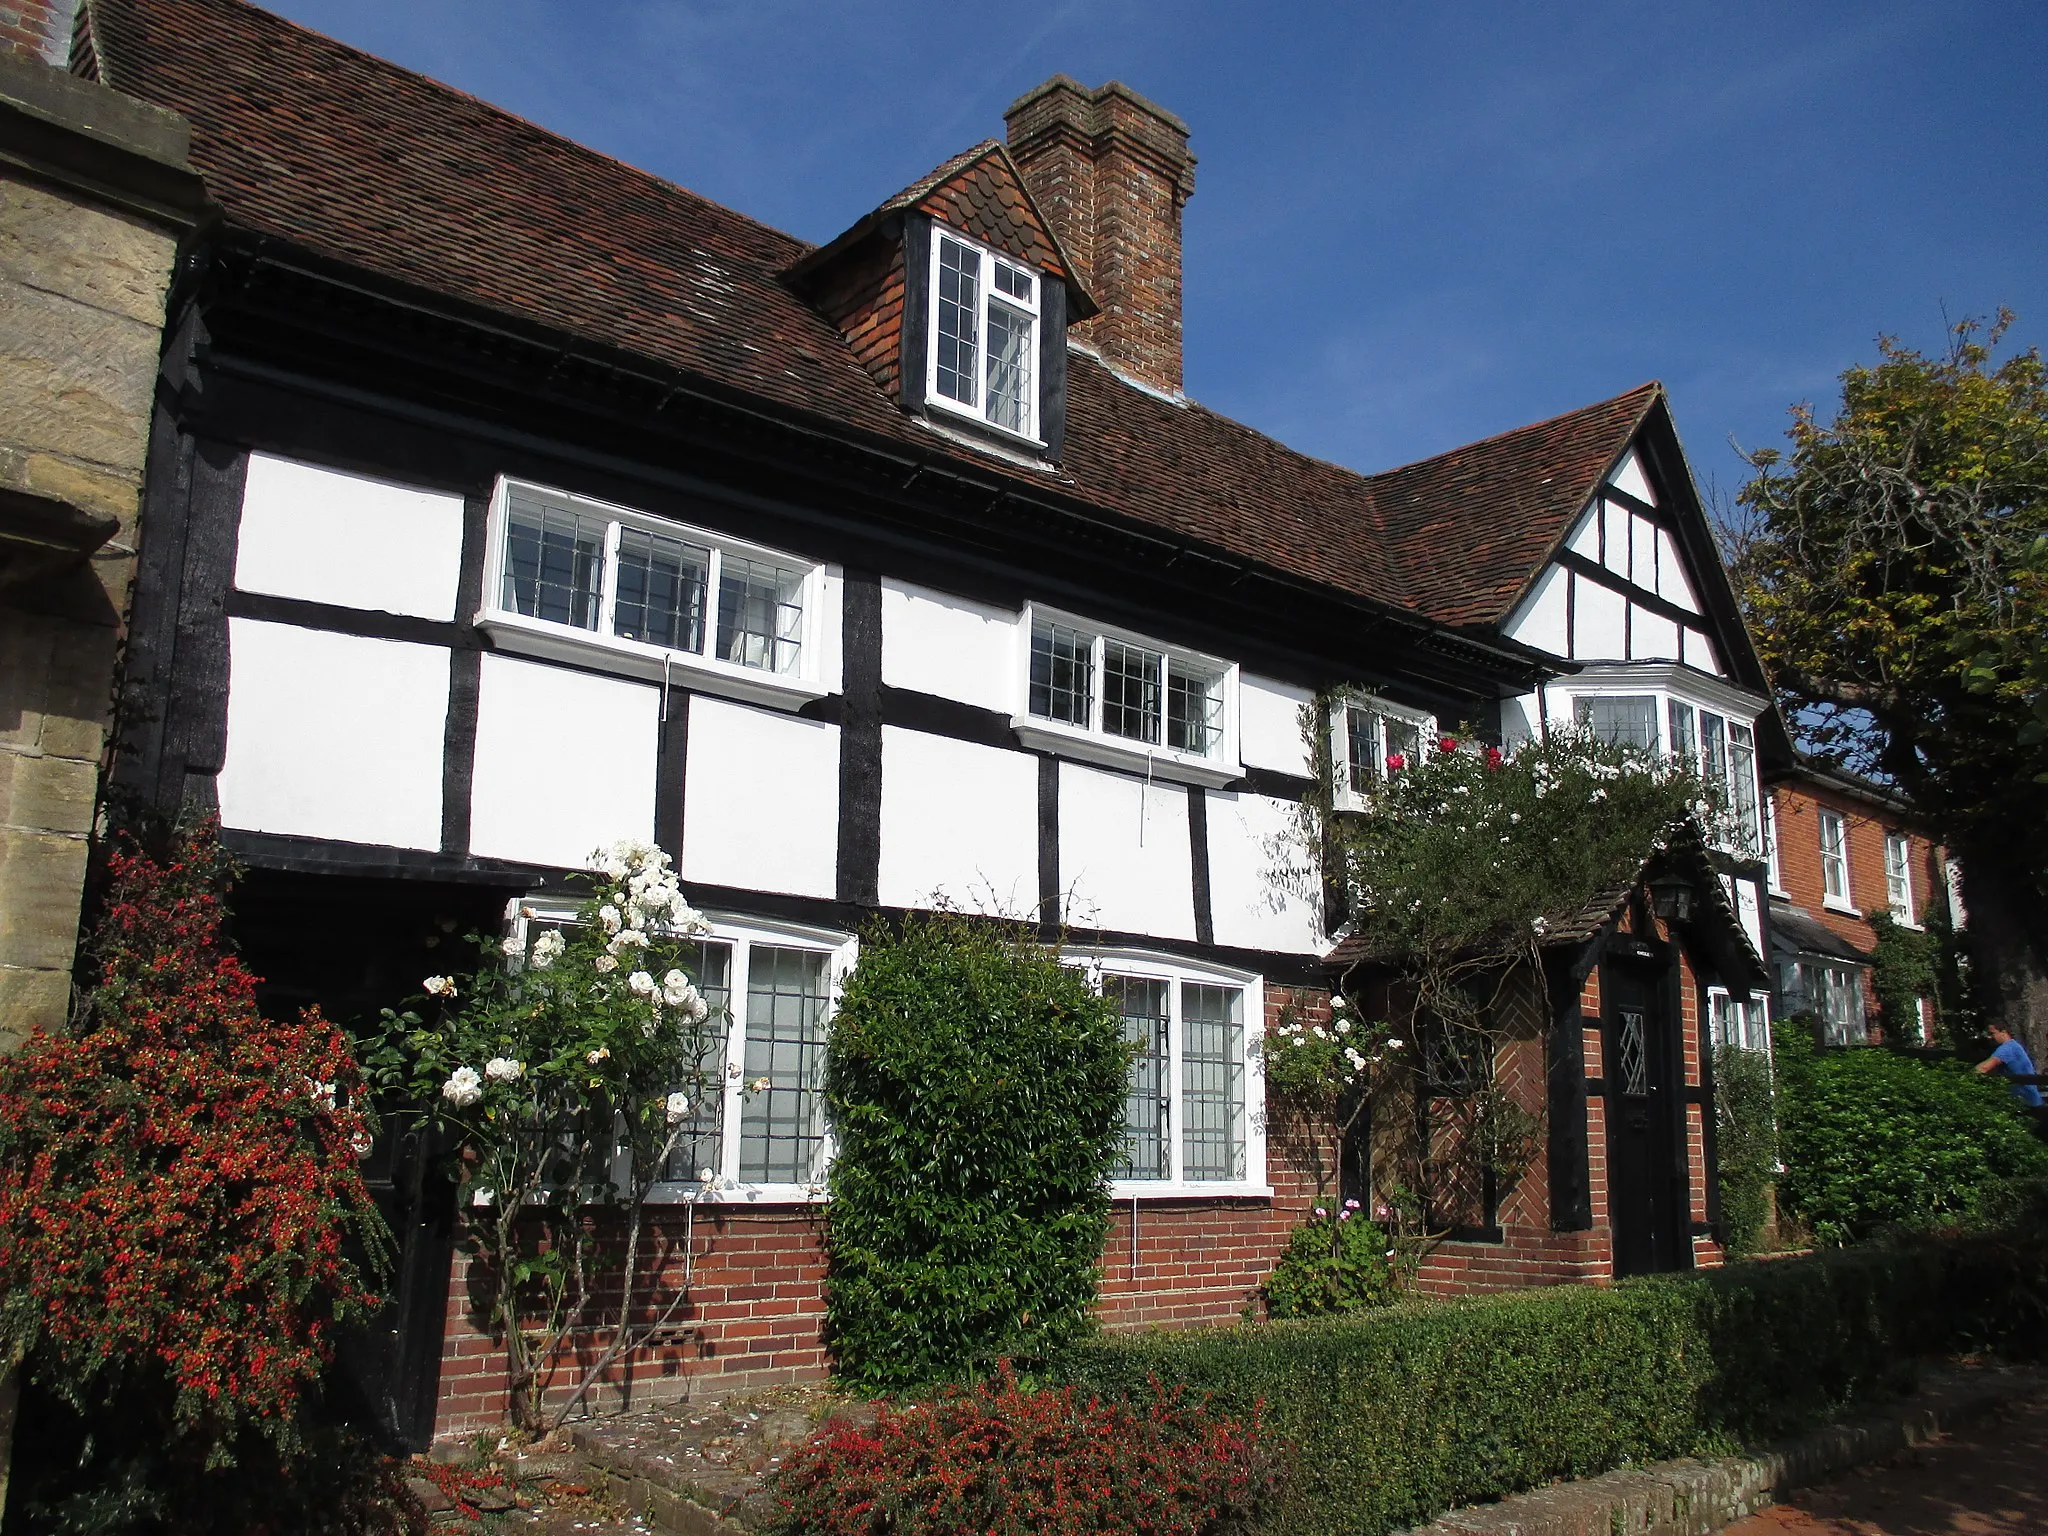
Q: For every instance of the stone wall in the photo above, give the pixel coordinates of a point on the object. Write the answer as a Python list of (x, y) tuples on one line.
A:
[(94, 197)]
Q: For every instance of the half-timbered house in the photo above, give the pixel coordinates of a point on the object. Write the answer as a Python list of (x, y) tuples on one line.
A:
[(505, 501)]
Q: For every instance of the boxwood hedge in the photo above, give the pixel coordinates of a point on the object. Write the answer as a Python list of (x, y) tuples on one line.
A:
[(1392, 1418)]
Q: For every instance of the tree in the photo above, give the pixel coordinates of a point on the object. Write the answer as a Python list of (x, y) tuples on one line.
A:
[(1890, 572)]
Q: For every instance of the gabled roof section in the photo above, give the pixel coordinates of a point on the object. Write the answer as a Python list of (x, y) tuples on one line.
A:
[(980, 193), (1475, 526)]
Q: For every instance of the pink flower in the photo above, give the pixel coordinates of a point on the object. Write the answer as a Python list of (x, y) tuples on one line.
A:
[(1343, 1215), (1494, 758), (1350, 1205), (1320, 1213), (1447, 743), (1396, 762)]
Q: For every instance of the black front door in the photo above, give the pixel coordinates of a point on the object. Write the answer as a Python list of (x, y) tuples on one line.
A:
[(1646, 1201)]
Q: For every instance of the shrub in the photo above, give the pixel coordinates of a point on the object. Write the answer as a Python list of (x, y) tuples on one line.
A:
[(1392, 1417), (976, 1089), (179, 1207), (1745, 1144), (1872, 1138), (1000, 1460), (1333, 1263)]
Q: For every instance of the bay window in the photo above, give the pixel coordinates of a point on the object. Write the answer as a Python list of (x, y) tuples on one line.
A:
[(984, 335), (577, 579), (1136, 700), (1191, 1121)]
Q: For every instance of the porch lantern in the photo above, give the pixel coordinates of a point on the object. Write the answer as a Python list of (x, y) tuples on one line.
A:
[(1671, 898)]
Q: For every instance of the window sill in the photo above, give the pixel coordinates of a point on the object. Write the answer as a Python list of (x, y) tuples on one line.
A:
[(1837, 905), (1156, 762), (550, 642), (689, 1192), (960, 415), (1161, 1189)]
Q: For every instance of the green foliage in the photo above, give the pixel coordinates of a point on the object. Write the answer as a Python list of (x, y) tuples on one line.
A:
[(1470, 856), (1394, 1416), (1874, 1138), (1905, 966), (1897, 586), (976, 1089), (1335, 1262), (1745, 1144), (568, 1052)]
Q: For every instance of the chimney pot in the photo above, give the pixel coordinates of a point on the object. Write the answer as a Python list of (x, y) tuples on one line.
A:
[(1112, 171)]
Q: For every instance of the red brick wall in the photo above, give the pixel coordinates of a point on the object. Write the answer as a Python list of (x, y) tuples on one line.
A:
[(864, 298), (1796, 806), (39, 28)]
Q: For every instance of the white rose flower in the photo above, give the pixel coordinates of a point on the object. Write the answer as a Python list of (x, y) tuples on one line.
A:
[(604, 963), (440, 986), (699, 1009), (512, 946), (547, 949), (625, 939), (677, 992), (609, 916), (503, 1069), (641, 984), (706, 1176), (678, 1106), (463, 1087)]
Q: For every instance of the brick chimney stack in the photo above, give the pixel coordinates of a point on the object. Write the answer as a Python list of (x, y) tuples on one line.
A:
[(40, 29), (1111, 171)]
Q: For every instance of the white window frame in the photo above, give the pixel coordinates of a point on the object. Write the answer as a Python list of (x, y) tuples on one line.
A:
[(985, 295), (1343, 796), (1092, 743), (1839, 860), (1777, 867), (1175, 970), (1898, 883), (1671, 683), (1755, 1018), (740, 935), (817, 637)]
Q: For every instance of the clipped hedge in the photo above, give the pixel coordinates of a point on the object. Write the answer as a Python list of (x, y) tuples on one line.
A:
[(1395, 1417)]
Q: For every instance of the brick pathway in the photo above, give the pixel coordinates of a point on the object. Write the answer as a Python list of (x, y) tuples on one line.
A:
[(1988, 1479)]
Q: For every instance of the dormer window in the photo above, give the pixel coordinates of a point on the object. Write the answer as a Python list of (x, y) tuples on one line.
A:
[(984, 336)]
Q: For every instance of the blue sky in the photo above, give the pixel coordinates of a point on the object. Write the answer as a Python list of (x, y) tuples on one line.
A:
[(1414, 223)]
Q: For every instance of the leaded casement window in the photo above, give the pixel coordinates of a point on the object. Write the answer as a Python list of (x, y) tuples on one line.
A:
[(985, 311), (1191, 1110), (1738, 1019), (1898, 878), (1370, 738), (582, 580), (1620, 720), (759, 1132), (1834, 858), (1136, 700)]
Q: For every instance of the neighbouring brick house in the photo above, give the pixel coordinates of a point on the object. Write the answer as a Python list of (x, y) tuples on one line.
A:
[(515, 501), (1843, 850), (94, 195)]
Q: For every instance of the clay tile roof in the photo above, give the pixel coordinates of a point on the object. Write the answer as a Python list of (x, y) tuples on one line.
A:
[(331, 151)]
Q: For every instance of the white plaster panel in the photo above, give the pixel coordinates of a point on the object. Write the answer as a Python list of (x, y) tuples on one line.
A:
[(1597, 620), (1616, 557), (761, 800), (1652, 637), (1699, 651), (1750, 911), (1585, 539), (959, 823), (1628, 474), (1541, 622), (1642, 557), (1269, 730), (329, 537), (1521, 719), (1674, 582), (1124, 861), (934, 642), (830, 629), (1259, 886), (334, 736), (565, 762)]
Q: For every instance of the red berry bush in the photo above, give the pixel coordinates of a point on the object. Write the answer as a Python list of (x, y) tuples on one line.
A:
[(1001, 1460), (181, 1215)]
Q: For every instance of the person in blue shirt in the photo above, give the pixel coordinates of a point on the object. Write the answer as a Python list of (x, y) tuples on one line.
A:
[(2012, 1058)]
